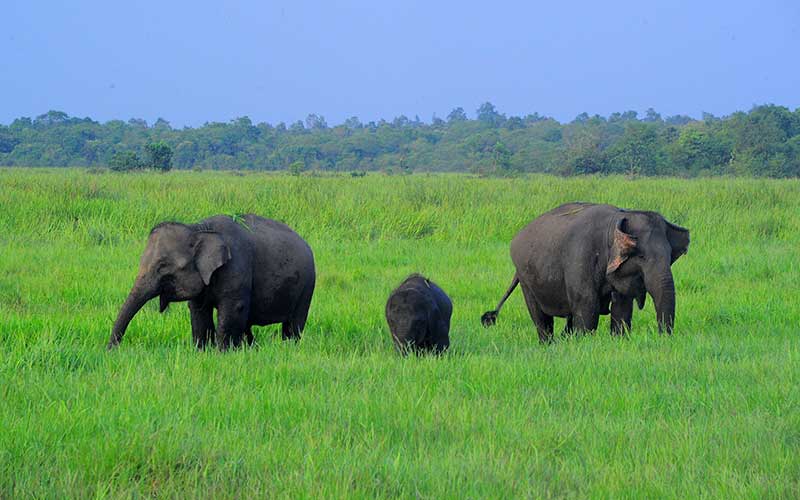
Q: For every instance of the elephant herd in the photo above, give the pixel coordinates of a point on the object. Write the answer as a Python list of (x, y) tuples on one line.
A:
[(577, 261)]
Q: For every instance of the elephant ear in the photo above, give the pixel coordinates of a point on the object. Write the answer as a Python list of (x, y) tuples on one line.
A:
[(678, 238), (622, 247), (211, 253)]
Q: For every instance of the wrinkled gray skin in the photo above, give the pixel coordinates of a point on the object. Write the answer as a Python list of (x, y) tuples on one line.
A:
[(254, 271), (581, 260), (418, 313)]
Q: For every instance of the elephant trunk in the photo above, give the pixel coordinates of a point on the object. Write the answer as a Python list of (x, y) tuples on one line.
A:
[(137, 298), (661, 287)]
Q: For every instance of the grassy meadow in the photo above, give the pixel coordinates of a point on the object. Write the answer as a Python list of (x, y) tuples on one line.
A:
[(713, 411)]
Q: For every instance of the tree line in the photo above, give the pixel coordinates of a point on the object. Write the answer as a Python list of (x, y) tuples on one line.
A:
[(764, 141)]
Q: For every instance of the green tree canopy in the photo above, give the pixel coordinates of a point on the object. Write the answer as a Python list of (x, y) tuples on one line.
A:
[(159, 156), (760, 142)]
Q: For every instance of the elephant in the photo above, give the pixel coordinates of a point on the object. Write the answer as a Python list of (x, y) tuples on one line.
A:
[(418, 313), (581, 260), (254, 271)]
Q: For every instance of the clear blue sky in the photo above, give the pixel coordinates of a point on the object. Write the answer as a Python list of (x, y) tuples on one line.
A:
[(197, 61)]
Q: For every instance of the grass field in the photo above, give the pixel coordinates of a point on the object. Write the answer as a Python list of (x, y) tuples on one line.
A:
[(713, 411)]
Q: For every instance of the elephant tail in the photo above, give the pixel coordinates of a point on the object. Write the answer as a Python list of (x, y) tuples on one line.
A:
[(489, 318)]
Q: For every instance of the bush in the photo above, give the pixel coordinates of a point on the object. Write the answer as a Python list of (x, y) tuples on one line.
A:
[(125, 161), (296, 167), (159, 156)]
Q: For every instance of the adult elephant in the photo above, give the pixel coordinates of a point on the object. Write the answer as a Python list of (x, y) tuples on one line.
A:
[(254, 271), (581, 260)]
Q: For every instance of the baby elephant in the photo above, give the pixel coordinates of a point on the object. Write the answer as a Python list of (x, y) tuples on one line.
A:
[(418, 313)]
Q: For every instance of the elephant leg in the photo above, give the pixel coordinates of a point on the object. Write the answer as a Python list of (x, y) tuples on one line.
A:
[(290, 330), (442, 341), (569, 329), (232, 317), (621, 314), (440, 344), (293, 327), (543, 322), (437, 340), (586, 315), (248, 336), (584, 301), (435, 347), (202, 318)]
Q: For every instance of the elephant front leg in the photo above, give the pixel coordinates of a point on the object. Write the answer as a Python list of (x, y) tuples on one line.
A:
[(586, 314), (231, 323), (621, 314), (202, 323), (585, 302)]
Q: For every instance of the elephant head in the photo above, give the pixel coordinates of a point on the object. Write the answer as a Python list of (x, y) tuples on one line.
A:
[(643, 247), (177, 265)]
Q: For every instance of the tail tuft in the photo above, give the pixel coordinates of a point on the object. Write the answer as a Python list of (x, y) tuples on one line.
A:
[(489, 318)]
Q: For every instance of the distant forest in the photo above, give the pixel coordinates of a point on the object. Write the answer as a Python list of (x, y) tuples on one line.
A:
[(762, 142)]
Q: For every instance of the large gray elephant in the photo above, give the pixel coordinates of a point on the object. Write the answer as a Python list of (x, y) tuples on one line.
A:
[(254, 271), (581, 260)]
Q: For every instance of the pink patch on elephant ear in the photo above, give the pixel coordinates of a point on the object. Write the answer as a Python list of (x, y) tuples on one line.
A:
[(614, 264), (624, 241), (624, 245)]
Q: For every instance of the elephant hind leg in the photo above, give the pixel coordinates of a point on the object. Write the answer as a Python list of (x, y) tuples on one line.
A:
[(293, 327), (248, 336), (290, 330), (569, 328), (440, 345), (232, 323), (436, 342), (543, 322)]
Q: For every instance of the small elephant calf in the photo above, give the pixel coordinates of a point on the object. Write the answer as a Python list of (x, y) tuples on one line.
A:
[(418, 313)]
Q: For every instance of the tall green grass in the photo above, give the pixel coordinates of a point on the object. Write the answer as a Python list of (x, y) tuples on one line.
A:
[(713, 411)]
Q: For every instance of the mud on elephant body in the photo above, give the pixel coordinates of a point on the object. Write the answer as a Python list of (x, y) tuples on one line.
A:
[(254, 271), (581, 260)]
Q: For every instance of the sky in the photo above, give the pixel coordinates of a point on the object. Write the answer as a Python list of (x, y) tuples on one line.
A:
[(203, 61)]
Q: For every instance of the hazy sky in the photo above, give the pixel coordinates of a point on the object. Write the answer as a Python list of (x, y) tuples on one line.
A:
[(197, 61)]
